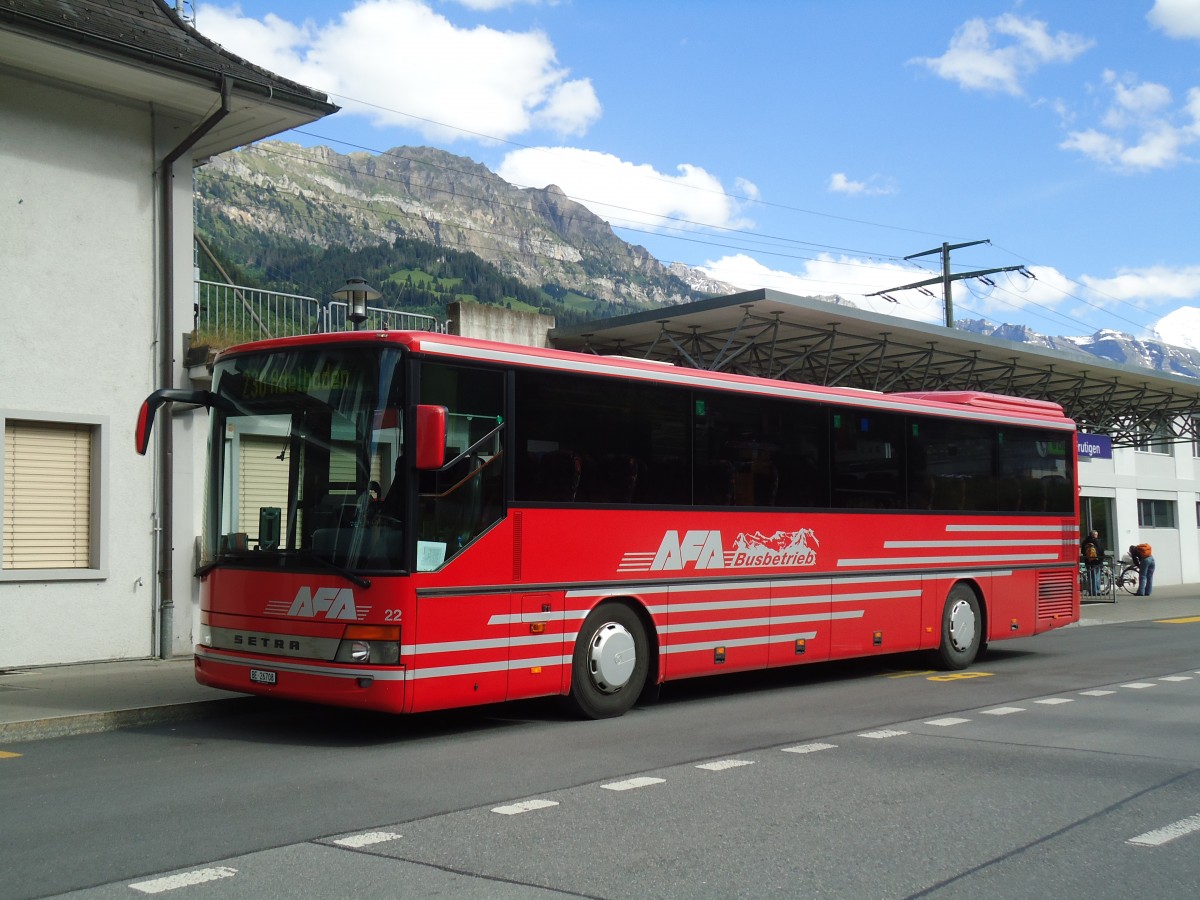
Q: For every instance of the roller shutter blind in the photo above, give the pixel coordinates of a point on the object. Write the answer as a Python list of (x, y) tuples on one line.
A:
[(47, 495), (262, 480)]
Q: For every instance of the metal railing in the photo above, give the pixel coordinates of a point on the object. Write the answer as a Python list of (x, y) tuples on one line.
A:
[(379, 319), (227, 314)]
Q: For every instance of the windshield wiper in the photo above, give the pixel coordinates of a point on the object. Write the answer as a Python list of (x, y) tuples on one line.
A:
[(308, 555), (334, 567), (221, 559)]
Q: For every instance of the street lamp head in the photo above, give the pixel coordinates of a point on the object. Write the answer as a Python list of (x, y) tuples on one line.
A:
[(356, 294)]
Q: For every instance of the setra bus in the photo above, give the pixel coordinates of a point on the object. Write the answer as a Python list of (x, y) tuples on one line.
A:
[(411, 521)]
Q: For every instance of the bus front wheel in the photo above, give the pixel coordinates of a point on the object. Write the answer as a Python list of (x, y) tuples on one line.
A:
[(962, 629), (610, 663)]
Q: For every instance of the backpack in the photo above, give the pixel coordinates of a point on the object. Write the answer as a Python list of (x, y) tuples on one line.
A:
[(1144, 550), (1089, 551)]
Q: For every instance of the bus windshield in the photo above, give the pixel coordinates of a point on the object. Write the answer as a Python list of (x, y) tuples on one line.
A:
[(305, 445)]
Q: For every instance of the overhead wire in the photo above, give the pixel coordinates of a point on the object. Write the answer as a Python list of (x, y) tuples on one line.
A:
[(759, 243)]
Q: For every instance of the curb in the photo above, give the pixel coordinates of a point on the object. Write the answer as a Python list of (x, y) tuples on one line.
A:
[(112, 720)]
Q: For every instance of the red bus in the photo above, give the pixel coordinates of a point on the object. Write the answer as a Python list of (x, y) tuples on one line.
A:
[(408, 521)]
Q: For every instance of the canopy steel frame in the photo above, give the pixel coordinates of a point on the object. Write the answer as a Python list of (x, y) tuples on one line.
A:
[(774, 335)]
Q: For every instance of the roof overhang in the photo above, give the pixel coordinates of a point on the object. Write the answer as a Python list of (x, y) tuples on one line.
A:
[(777, 335), (176, 88)]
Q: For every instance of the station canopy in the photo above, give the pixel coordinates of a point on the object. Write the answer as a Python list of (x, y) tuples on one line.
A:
[(776, 335)]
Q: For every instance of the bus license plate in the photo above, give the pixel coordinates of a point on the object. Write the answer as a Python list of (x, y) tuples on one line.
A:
[(262, 676)]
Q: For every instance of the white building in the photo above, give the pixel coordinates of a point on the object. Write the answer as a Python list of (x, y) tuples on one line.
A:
[(105, 107), (1149, 494)]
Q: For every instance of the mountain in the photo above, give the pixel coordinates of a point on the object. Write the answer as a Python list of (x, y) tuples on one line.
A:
[(1106, 344), (251, 199), (426, 227)]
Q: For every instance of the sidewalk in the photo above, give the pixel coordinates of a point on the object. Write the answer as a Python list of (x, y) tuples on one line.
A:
[(83, 699)]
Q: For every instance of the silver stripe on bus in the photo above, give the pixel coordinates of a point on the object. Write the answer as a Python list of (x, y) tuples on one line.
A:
[(390, 674), (1073, 528), (1033, 542), (881, 595), (479, 668), (717, 624), (925, 560), (742, 642), (489, 644)]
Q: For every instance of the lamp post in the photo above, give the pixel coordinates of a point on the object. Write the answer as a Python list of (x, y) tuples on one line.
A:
[(356, 294)]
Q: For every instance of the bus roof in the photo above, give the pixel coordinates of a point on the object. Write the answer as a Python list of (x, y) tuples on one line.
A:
[(958, 404)]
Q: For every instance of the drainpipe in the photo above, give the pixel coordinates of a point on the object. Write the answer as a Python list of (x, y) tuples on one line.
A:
[(166, 374)]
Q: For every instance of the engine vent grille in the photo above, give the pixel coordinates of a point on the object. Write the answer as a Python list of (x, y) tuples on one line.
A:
[(1056, 594)]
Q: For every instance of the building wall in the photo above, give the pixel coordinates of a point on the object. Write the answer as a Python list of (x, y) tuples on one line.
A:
[(77, 302), (494, 323), (1133, 475)]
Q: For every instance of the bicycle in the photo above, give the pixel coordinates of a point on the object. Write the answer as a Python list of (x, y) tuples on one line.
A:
[(1129, 578), (1104, 582)]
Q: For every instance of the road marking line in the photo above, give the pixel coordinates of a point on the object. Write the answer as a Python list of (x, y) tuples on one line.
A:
[(1097, 693), (1138, 685), (183, 879), (809, 748), (632, 784), (1003, 710), (8, 754), (885, 733), (1181, 621), (524, 806), (725, 764), (1167, 833), (949, 720), (367, 839), (1176, 678), (1054, 701)]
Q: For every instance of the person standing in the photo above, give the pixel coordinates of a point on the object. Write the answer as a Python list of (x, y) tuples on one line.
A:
[(1144, 556), (1092, 552)]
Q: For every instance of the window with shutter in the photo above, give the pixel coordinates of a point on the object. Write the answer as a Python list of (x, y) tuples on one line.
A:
[(47, 495)]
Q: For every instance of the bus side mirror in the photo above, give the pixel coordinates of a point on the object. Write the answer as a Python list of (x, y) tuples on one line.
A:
[(145, 420), (431, 437)]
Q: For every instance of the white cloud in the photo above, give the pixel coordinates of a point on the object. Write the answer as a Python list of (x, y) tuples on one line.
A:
[(1140, 130), (853, 278), (491, 5), (996, 55), (1178, 18), (1148, 285), (873, 186), (389, 60), (626, 193), (848, 277)]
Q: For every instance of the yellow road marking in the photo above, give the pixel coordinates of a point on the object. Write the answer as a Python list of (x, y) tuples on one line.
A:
[(908, 674), (1182, 621), (960, 676), (5, 754)]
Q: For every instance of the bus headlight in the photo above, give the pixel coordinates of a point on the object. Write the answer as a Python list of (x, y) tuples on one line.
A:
[(377, 645)]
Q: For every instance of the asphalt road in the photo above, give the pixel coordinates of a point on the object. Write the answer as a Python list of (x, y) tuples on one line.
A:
[(1064, 765)]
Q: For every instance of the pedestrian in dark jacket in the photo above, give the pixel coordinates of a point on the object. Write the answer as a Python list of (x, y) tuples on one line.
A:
[(1092, 552)]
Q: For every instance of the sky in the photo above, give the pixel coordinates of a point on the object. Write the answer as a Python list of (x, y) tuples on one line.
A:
[(807, 146)]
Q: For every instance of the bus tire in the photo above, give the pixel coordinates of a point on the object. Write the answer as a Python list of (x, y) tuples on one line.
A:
[(962, 629), (610, 662)]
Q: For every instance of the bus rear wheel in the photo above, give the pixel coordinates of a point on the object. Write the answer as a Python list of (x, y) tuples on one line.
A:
[(962, 629), (610, 663)]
